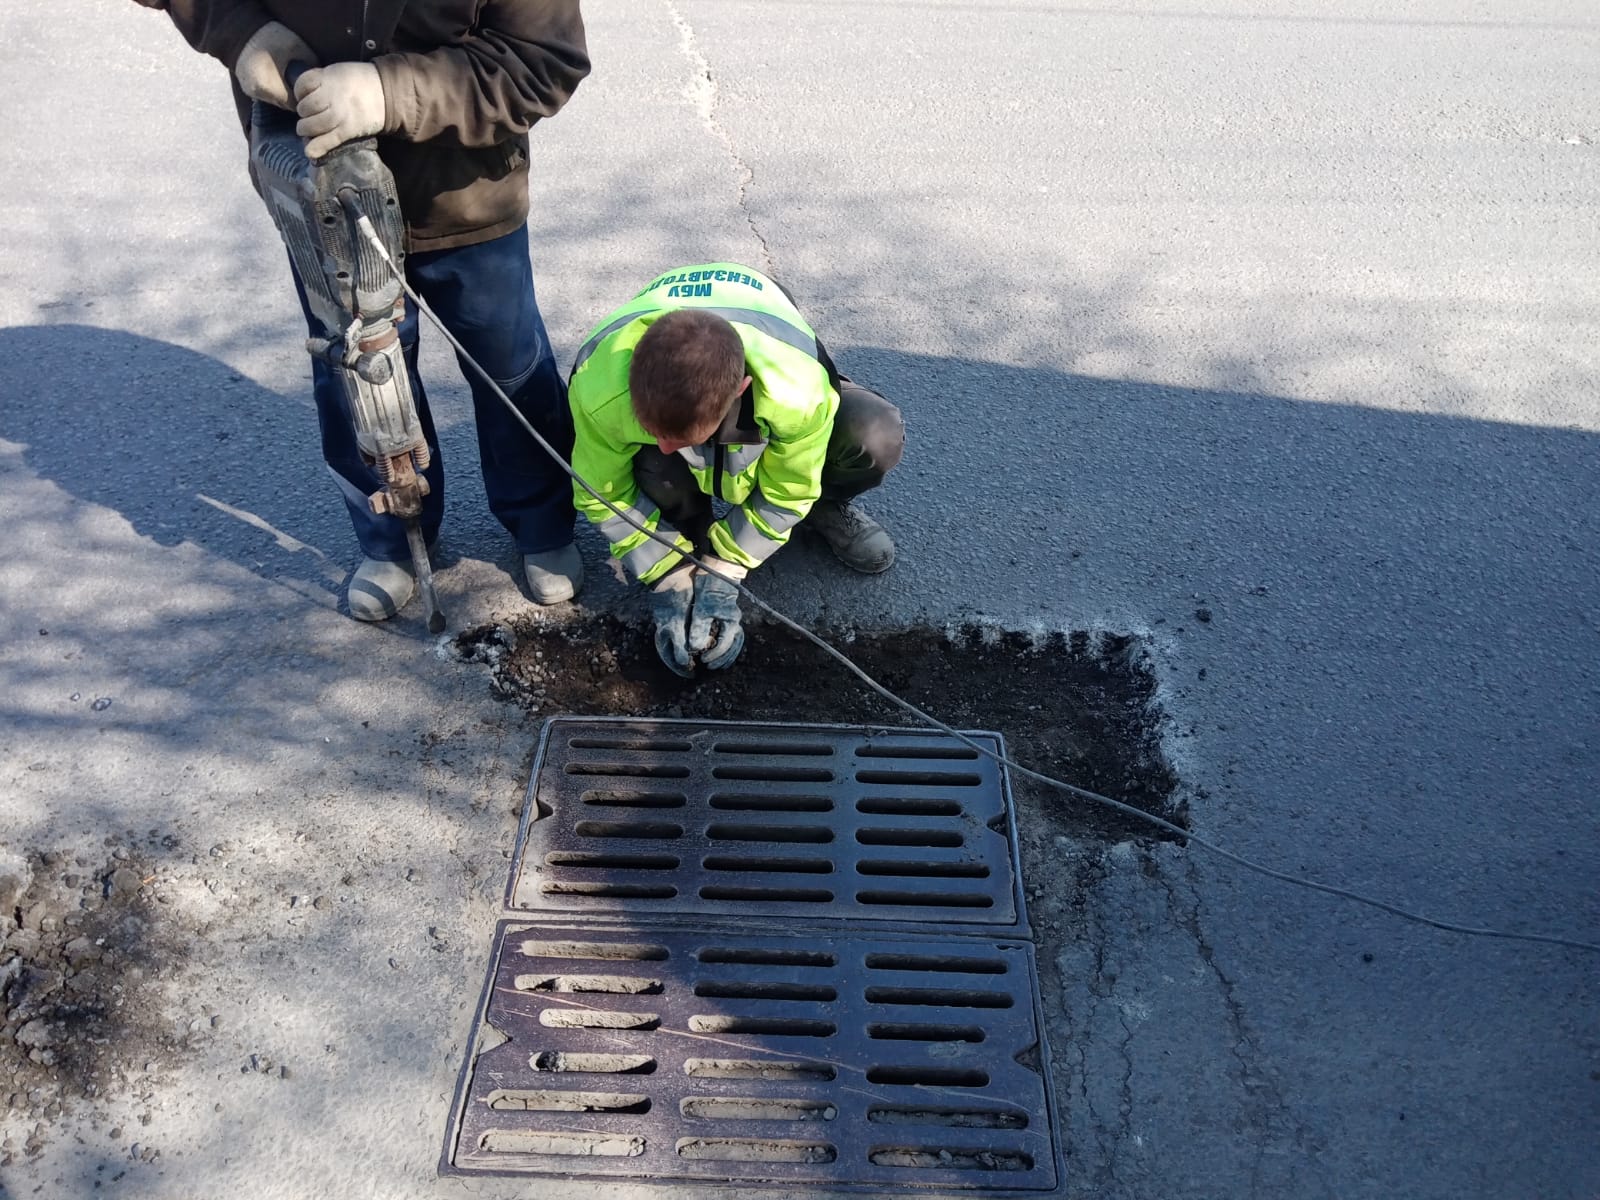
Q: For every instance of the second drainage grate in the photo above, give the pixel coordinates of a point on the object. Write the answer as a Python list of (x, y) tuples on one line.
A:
[(844, 1059), (790, 822)]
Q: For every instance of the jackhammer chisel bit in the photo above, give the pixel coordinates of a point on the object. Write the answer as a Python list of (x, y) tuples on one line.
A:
[(323, 209)]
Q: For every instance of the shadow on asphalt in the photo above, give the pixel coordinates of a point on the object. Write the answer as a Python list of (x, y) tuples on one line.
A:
[(1373, 520)]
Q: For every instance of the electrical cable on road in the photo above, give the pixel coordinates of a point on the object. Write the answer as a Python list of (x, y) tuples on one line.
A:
[(1061, 785)]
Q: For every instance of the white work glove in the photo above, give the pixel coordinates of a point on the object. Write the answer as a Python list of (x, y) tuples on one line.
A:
[(337, 104), (716, 631), (265, 58), (670, 598)]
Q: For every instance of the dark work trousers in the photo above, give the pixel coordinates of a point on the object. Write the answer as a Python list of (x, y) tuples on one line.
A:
[(868, 438), (484, 295)]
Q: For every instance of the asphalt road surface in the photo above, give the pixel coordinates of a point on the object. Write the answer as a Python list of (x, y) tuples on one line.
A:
[(1281, 309)]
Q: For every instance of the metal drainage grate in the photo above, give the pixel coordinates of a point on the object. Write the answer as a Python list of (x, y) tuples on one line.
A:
[(790, 822), (854, 1060)]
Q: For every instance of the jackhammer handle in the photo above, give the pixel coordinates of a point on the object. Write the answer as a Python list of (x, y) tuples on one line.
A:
[(292, 73), (269, 117)]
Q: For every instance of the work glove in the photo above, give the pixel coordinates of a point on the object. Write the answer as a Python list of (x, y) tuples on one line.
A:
[(717, 599), (338, 103), (669, 604), (265, 58)]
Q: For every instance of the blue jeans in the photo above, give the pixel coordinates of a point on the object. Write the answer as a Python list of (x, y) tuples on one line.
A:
[(484, 295)]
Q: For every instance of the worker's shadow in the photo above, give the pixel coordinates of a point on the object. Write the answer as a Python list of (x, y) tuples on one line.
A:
[(183, 446)]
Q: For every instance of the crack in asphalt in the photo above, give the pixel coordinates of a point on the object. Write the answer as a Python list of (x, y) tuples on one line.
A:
[(1264, 1103), (705, 93)]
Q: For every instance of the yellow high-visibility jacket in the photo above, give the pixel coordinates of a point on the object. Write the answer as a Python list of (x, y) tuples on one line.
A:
[(773, 477)]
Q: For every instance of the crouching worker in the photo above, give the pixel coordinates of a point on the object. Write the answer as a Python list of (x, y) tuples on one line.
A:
[(710, 383)]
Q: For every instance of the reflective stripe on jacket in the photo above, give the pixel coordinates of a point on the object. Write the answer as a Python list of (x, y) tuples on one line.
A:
[(773, 478)]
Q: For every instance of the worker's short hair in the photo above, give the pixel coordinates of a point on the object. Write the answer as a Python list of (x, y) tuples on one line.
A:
[(685, 372)]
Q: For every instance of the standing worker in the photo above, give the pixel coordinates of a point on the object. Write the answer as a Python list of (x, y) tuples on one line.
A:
[(710, 383), (450, 88)]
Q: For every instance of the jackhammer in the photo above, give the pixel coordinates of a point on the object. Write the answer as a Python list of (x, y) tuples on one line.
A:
[(325, 209)]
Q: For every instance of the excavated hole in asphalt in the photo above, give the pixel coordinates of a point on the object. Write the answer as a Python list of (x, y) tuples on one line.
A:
[(1076, 707)]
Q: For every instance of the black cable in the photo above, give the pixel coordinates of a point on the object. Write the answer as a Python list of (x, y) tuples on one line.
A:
[(1003, 760)]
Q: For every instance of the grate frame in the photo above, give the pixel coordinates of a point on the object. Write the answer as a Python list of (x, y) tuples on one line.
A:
[(895, 1101), (661, 819)]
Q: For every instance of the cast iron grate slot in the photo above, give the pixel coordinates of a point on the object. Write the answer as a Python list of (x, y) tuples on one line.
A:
[(644, 745), (758, 1059), (910, 837), (764, 749), (577, 889), (943, 779), (908, 806), (622, 862), (741, 989), (629, 829), (943, 964), (783, 774), (613, 798), (639, 770), (777, 895), (909, 1032), (734, 802), (921, 752), (919, 823), (792, 866), (765, 957)]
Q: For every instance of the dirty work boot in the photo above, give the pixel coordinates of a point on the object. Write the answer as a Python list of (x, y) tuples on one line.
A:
[(553, 575), (380, 589), (857, 540)]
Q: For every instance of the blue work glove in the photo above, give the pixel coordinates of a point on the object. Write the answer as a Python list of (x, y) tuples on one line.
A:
[(717, 600), (670, 598)]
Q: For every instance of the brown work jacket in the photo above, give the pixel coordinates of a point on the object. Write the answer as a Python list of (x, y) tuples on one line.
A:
[(463, 81)]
